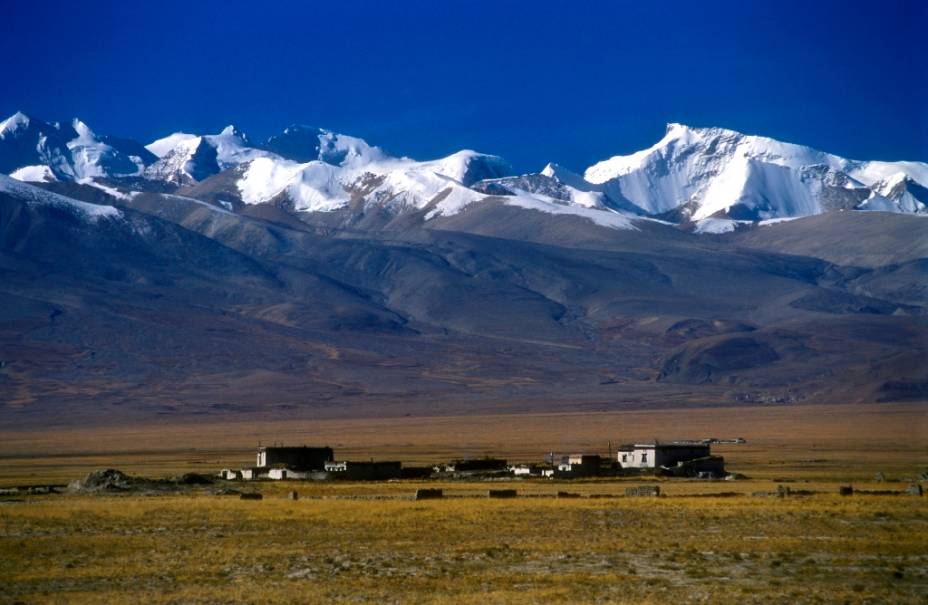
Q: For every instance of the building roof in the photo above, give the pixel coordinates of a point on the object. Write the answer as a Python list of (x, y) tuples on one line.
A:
[(627, 447), (264, 448)]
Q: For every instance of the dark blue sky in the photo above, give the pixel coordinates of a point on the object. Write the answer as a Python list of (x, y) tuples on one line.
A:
[(531, 81)]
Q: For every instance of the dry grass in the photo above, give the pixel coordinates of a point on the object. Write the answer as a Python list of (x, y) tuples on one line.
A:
[(349, 542), (464, 550)]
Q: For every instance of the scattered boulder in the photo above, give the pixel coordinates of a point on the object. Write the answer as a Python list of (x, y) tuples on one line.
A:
[(914, 490), (293, 496), (879, 477)]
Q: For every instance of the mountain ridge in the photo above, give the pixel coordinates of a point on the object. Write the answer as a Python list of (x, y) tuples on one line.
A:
[(690, 176)]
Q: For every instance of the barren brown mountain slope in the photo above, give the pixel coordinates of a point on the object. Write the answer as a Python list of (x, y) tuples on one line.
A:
[(179, 309)]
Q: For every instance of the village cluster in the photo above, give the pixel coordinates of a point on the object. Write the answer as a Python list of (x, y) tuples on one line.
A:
[(675, 458)]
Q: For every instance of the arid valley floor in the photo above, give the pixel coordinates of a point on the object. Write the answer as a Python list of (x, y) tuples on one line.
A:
[(701, 541)]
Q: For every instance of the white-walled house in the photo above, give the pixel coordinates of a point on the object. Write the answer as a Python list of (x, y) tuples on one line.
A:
[(656, 455), (286, 473)]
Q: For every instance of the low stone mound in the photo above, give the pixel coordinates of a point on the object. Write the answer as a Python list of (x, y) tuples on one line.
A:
[(115, 481), (105, 480)]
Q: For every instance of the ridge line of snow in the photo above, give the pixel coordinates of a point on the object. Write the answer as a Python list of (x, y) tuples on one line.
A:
[(35, 195)]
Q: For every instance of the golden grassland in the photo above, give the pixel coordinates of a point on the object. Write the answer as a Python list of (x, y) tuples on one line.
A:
[(207, 549), (359, 542)]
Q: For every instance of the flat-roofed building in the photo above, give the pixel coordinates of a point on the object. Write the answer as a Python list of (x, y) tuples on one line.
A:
[(656, 455), (301, 458), (579, 465)]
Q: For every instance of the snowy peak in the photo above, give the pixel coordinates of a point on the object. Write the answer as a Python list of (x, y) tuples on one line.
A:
[(93, 158), (567, 177), (17, 121), (703, 172), (898, 193), (166, 145), (186, 159), (467, 167), (37, 150), (232, 131), (27, 142), (190, 161), (297, 143), (303, 144), (343, 150), (84, 133)]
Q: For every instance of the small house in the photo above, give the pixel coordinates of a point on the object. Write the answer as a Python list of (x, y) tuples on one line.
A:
[(655, 455), (254, 473), (578, 465), (297, 458), (280, 473)]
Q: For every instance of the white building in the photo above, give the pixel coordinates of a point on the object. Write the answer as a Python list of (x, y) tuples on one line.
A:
[(655, 455), (579, 465), (286, 473), (254, 473), (525, 470)]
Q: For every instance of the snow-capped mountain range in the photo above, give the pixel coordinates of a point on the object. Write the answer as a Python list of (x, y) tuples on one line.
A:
[(713, 177), (33, 150)]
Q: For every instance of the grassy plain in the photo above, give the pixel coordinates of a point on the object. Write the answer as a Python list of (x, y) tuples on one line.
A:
[(352, 542)]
